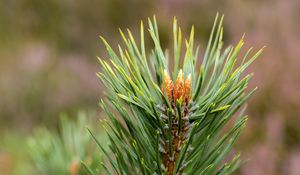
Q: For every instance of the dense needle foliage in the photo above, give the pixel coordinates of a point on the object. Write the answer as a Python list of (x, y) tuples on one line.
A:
[(61, 152), (165, 119)]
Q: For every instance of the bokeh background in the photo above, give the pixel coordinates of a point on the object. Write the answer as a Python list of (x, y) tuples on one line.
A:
[(48, 63)]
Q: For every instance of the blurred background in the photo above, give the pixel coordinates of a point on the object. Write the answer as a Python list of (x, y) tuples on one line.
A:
[(48, 63)]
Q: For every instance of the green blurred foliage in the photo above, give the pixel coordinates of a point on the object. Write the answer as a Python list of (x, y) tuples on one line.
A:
[(62, 153), (53, 151)]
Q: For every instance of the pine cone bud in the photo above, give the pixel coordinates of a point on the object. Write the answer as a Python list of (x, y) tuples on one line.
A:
[(167, 85), (187, 88), (179, 86), (74, 167)]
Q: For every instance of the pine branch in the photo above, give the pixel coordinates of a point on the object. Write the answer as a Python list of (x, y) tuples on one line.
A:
[(163, 125), (63, 152)]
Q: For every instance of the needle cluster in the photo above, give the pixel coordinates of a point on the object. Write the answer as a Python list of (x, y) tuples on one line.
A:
[(165, 120)]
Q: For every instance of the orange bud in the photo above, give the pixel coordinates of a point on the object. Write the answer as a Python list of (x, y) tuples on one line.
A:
[(187, 88), (179, 86), (74, 167), (167, 85)]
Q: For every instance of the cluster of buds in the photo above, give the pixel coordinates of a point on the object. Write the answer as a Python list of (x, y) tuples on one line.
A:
[(180, 90), (177, 124)]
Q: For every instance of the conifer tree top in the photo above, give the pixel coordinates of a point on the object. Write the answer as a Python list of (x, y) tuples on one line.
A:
[(168, 120)]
